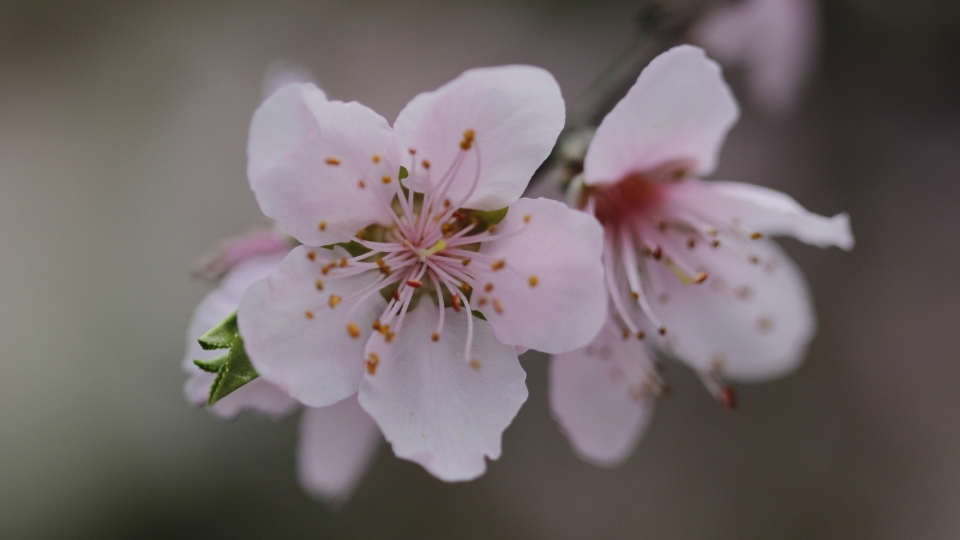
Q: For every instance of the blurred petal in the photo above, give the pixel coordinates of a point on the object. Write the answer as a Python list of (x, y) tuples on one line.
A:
[(516, 113), (549, 295), (337, 445), (762, 210), (316, 166), (436, 409), (680, 109), (748, 321), (296, 339), (774, 40), (601, 397), (258, 396)]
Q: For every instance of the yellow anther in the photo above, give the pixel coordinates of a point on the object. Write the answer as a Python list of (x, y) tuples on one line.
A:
[(376, 158), (353, 330), (488, 287), (322, 225), (319, 284), (467, 141), (308, 314), (372, 362), (435, 336), (475, 364), (386, 179), (533, 281), (333, 161), (526, 218), (334, 300), (498, 265)]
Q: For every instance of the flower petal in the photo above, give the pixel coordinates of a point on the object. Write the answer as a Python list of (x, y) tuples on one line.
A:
[(749, 321), (679, 110), (601, 397), (548, 294), (762, 210), (337, 445), (516, 114), (775, 41), (296, 340), (436, 409), (259, 396), (316, 166)]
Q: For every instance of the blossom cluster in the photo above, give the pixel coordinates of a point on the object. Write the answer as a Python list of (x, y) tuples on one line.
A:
[(415, 272)]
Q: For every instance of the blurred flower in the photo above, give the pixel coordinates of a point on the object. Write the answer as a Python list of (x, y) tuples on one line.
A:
[(689, 271), (337, 442), (775, 41), (237, 249), (447, 271)]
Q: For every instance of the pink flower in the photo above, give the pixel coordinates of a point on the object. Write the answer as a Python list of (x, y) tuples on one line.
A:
[(689, 269), (419, 205), (337, 442), (775, 41)]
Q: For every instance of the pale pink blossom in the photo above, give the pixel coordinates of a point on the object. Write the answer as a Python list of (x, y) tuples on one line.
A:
[(774, 41), (690, 271), (394, 320), (337, 443)]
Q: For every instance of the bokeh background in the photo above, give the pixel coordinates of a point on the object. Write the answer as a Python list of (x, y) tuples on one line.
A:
[(122, 141)]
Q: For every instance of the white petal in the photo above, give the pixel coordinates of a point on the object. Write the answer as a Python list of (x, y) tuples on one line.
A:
[(601, 398), (762, 210), (337, 445), (436, 409), (258, 396), (516, 113), (753, 321), (679, 110), (308, 157), (309, 356), (549, 295)]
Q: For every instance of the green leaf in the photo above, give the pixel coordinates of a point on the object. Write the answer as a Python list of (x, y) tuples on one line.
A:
[(235, 372), (222, 335), (492, 217), (403, 173), (212, 366), (476, 314)]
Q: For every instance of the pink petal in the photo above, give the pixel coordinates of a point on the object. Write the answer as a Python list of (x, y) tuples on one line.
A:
[(762, 210), (749, 321), (296, 340), (516, 113), (680, 109), (600, 396), (258, 396), (337, 445), (436, 409), (774, 40), (549, 295), (312, 164)]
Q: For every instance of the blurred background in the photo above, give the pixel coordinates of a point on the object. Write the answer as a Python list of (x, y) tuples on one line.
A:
[(123, 128)]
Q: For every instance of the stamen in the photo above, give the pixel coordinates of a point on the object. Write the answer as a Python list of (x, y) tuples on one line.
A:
[(533, 281), (353, 330), (308, 314), (332, 161), (372, 362), (322, 225), (334, 300), (467, 141)]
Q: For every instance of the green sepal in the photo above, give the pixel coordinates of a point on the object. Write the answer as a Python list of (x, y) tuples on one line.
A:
[(404, 173), (352, 247), (492, 217), (212, 366), (235, 372), (220, 336), (478, 315)]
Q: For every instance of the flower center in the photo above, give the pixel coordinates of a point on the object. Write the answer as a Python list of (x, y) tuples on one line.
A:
[(630, 197)]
